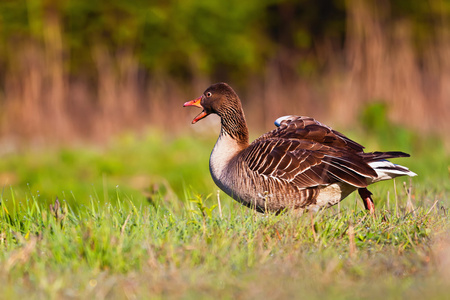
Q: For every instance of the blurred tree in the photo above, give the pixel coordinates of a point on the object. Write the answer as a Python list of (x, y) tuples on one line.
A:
[(197, 36), (113, 48)]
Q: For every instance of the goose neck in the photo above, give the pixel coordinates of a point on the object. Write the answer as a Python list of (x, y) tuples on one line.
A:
[(235, 126)]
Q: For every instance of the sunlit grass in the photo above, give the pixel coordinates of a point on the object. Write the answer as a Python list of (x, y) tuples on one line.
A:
[(141, 218), (192, 249), (130, 166)]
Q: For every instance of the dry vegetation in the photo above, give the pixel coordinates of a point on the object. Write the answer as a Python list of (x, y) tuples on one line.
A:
[(379, 60)]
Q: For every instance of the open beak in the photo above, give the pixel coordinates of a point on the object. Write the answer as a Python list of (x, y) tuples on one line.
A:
[(196, 102)]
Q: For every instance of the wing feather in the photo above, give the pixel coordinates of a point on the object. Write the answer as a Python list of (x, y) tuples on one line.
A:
[(305, 153), (306, 163), (300, 127)]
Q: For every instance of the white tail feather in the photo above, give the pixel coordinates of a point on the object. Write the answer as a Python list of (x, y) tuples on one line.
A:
[(387, 170)]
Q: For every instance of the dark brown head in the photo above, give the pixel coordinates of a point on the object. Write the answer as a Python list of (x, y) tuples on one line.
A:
[(217, 99), (222, 100)]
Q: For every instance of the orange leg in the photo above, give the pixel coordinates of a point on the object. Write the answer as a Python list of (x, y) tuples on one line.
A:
[(367, 199)]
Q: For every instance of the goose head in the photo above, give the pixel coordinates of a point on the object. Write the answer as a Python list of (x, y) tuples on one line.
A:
[(222, 100), (218, 99)]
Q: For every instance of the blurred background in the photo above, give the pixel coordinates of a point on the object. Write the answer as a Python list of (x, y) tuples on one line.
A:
[(90, 71)]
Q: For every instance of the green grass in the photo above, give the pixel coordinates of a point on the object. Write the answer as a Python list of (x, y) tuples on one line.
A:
[(135, 168), (140, 218), (190, 250)]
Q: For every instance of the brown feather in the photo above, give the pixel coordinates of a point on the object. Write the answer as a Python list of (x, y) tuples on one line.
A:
[(305, 163), (301, 164)]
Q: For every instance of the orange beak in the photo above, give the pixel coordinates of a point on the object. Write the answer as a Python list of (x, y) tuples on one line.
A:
[(196, 102)]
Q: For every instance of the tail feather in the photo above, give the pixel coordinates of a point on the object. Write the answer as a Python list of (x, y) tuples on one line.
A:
[(377, 155), (387, 170)]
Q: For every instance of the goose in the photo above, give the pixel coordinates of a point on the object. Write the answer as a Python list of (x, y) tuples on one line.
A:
[(301, 165)]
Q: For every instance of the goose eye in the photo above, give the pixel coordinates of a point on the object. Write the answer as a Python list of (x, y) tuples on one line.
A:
[(208, 94)]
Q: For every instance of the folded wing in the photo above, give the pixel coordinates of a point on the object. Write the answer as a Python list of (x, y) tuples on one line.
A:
[(305, 153)]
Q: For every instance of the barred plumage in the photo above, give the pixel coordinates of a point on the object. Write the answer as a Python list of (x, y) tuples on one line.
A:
[(302, 164)]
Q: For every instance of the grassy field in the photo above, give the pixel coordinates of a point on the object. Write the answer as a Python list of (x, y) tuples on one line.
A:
[(140, 218)]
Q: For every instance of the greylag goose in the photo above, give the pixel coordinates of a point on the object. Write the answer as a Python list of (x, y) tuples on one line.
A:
[(302, 164)]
